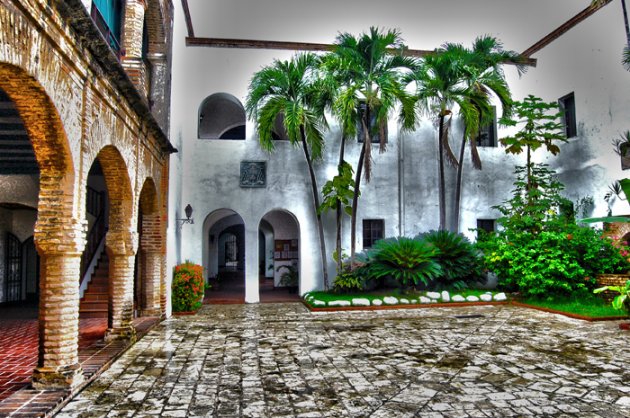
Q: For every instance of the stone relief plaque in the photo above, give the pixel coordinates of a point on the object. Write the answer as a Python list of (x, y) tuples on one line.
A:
[(253, 174)]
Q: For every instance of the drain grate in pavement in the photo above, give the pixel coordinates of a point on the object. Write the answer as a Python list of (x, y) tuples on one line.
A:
[(469, 316)]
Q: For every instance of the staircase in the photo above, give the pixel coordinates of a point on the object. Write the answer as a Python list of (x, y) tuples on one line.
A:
[(94, 303)]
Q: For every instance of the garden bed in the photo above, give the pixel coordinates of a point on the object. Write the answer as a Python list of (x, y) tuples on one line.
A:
[(384, 300), (348, 302)]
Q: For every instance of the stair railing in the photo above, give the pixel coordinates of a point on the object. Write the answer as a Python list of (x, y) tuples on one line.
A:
[(95, 244)]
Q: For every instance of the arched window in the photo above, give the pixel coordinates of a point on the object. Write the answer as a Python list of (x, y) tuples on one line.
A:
[(221, 116)]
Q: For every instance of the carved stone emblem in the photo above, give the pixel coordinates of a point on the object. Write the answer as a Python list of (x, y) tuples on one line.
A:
[(253, 174)]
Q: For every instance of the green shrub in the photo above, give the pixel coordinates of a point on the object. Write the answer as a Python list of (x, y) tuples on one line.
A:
[(553, 263), (406, 260), (458, 258), (187, 287), (348, 282), (540, 251)]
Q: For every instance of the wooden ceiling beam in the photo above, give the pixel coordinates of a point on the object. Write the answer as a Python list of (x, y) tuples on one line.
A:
[(560, 30), (295, 46)]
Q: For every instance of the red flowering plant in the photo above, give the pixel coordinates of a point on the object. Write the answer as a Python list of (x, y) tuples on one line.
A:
[(188, 287), (622, 247)]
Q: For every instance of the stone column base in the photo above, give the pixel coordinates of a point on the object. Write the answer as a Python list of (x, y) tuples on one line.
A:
[(127, 333), (151, 312), (55, 378)]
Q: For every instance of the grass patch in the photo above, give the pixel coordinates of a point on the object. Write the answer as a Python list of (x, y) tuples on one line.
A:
[(410, 295), (590, 306)]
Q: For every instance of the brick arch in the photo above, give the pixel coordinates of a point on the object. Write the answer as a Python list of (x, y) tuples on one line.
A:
[(148, 197), (118, 187), (59, 234), (52, 152)]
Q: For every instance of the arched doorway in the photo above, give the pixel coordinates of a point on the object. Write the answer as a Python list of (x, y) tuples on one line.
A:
[(224, 256), (279, 235), (94, 282), (115, 252)]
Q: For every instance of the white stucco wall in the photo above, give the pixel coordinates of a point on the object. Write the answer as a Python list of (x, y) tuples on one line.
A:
[(403, 191)]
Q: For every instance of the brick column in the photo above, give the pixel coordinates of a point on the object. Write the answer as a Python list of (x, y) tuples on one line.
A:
[(133, 29), (121, 248), (60, 244), (152, 262), (151, 255)]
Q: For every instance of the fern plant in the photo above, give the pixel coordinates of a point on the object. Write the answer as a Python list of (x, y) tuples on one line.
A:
[(406, 260), (458, 258)]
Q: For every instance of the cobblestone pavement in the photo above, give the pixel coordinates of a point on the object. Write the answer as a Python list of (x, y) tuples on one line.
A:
[(279, 360)]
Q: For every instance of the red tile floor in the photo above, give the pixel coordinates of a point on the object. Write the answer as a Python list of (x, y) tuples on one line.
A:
[(19, 339)]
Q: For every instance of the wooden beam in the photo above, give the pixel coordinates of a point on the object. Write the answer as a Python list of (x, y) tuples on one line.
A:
[(189, 25), (296, 46), (256, 44), (555, 34)]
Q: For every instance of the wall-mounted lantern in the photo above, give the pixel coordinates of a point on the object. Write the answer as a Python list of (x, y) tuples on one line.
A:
[(188, 220)]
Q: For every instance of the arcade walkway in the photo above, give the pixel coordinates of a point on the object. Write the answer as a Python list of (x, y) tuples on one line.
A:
[(18, 357)]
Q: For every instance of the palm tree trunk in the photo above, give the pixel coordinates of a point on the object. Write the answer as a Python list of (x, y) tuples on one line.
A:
[(458, 185), (442, 187), (320, 225), (342, 150), (625, 19), (355, 202)]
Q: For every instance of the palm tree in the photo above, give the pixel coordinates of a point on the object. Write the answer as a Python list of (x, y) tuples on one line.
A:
[(441, 86), (484, 76), (292, 90), (369, 71)]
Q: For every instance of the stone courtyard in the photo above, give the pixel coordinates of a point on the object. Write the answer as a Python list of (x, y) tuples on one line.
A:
[(280, 360)]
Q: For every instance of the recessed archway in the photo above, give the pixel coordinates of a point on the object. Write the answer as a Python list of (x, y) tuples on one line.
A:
[(221, 116), (115, 253), (279, 233), (148, 261), (224, 256)]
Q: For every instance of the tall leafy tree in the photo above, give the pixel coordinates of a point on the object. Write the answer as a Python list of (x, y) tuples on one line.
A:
[(293, 91), (540, 125), (441, 89), (484, 76), (369, 71)]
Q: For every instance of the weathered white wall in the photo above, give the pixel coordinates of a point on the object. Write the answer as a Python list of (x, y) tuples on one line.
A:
[(587, 61), (403, 190)]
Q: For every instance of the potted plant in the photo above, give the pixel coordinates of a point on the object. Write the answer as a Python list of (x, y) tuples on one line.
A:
[(188, 287), (290, 278), (621, 301)]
